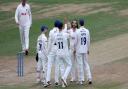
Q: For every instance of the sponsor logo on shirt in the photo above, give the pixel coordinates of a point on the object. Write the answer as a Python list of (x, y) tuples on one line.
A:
[(73, 38), (23, 13)]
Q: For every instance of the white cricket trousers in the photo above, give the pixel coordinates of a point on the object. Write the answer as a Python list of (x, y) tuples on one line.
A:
[(51, 61), (24, 36), (41, 66), (83, 65), (87, 68), (64, 60), (74, 67)]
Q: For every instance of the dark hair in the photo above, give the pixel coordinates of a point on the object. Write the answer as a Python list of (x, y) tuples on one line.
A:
[(43, 28), (56, 23), (81, 22), (76, 23), (60, 25)]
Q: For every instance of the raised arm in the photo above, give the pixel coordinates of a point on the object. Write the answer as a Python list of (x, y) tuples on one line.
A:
[(30, 15), (17, 15)]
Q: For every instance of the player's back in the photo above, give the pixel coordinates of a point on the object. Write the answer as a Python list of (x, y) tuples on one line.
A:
[(51, 44), (61, 40), (82, 40), (42, 43)]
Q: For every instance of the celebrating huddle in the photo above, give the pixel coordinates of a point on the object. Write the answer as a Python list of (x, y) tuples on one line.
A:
[(67, 47)]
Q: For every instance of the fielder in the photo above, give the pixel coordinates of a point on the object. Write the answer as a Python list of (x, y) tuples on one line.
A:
[(62, 53), (23, 19), (42, 55), (72, 40), (82, 50), (52, 56)]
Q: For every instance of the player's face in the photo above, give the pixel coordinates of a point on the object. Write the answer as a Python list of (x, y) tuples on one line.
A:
[(74, 24), (23, 2)]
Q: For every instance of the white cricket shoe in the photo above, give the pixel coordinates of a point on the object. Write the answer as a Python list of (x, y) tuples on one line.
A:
[(81, 83), (72, 80), (63, 86), (47, 84), (64, 82), (43, 81)]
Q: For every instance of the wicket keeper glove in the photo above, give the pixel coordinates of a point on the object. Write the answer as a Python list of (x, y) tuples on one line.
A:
[(37, 58)]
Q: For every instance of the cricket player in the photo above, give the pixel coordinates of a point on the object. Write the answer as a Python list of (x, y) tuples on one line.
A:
[(23, 19), (82, 51), (52, 56), (62, 53), (42, 55), (73, 39)]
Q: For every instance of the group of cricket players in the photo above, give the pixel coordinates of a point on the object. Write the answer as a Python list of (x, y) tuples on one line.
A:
[(67, 48)]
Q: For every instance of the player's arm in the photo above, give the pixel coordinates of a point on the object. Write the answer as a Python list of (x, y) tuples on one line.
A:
[(76, 41), (17, 15), (45, 47), (37, 50), (65, 24), (30, 15), (49, 42), (38, 46), (88, 40)]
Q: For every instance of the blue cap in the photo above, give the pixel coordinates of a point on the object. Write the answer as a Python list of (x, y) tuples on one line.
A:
[(81, 22), (43, 28), (56, 23)]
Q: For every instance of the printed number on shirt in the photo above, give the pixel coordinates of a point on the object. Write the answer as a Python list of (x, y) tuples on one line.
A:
[(40, 46), (60, 44), (83, 40)]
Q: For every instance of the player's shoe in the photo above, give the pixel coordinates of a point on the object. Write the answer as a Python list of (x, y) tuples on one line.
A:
[(81, 82), (47, 84), (43, 81), (56, 84), (72, 80), (26, 52), (64, 82), (63, 85), (89, 82)]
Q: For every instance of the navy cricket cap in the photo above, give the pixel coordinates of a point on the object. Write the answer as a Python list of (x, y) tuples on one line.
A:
[(81, 22), (43, 28), (56, 23), (60, 25)]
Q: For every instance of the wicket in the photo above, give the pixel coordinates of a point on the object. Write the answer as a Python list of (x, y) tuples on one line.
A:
[(20, 64)]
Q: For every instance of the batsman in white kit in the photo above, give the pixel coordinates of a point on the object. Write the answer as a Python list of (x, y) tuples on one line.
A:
[(42, 55), (82, 51), (23, 19), (63, 57)]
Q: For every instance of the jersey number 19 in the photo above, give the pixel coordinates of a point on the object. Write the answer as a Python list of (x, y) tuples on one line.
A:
[(83, 40)]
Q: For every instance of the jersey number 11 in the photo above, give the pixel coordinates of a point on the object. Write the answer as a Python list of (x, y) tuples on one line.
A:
[(60, 45)]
